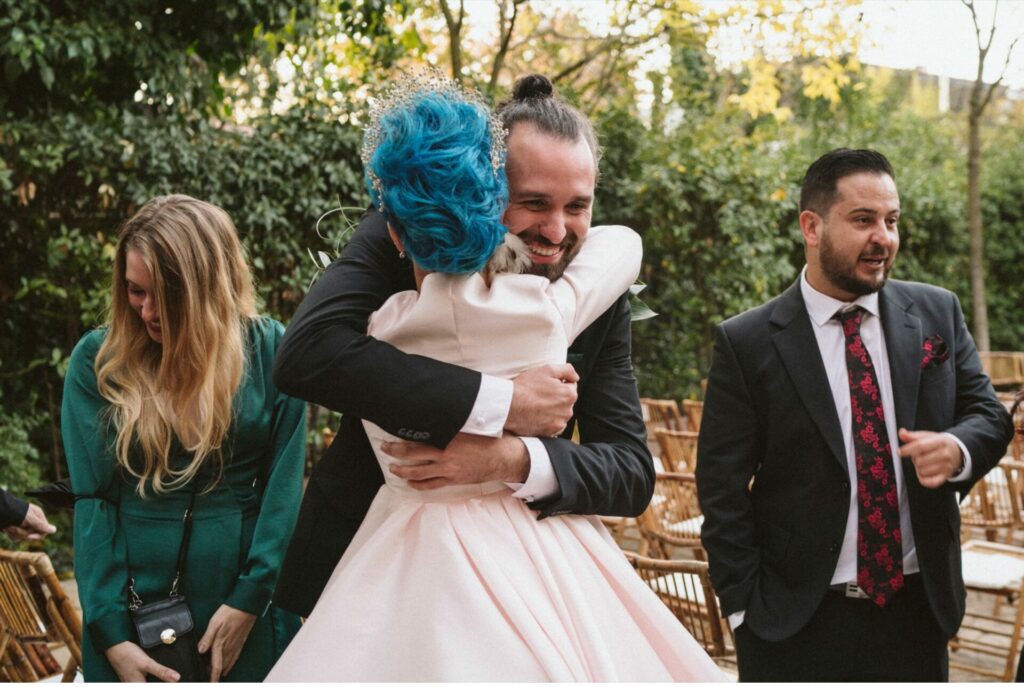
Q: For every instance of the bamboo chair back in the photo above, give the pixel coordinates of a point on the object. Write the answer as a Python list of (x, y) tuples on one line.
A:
[(673, 518), (35, 608), (994, 504), (661, 414), (1004, 368), (678, 449), (694, 412), (685, 588)]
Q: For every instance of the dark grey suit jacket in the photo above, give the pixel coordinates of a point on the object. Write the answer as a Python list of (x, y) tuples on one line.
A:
[(769, 415), (327, 358), (12, 510)]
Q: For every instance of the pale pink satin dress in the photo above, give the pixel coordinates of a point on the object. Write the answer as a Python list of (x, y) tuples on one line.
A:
[(463, 583)]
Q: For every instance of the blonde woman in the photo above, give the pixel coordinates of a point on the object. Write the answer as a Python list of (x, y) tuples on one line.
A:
[(174, 398)]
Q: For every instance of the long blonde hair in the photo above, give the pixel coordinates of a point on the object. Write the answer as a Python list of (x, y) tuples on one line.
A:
[(205, 299)]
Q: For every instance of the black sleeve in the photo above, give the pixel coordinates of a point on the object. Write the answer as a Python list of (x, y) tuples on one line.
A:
[(611, 472), (982, 422), (12, 509), (327, 358), (728, 453)]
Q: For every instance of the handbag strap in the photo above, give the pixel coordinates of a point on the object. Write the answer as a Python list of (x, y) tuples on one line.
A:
[(134, 601), (183, 549)]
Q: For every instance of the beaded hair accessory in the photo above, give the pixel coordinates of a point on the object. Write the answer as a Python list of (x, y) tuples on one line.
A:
[(402, 93)]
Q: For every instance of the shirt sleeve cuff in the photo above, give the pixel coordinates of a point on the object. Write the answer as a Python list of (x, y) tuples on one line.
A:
[(249, 597), (965, 472), (489, 413), (110, 629), (541, 482), (736, 619)]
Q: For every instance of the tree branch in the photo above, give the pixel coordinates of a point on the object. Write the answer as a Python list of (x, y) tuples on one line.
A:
[(1002, 72), (606, 44), (506, 38), (454, 36)]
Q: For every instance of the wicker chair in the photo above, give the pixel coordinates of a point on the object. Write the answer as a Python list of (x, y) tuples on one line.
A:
[(661, 414), (993, 572), (678, 450), (994, 504), (673, 518), (685, 588), (694, 412), (35, 612)]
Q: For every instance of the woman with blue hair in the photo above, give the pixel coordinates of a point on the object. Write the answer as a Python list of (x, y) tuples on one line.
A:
[(462, 582)]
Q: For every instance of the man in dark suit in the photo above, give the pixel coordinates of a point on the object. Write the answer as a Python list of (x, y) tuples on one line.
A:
[(22, 520), (461, 426), (842, 419)]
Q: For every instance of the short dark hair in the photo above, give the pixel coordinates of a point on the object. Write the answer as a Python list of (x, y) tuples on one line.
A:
[(534, 101), (818, 193)]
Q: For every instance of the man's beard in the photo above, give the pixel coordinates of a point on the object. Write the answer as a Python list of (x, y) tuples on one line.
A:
[(845, 276), (553, 270)]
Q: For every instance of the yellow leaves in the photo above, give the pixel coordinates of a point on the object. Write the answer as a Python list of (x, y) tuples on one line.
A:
[(681, 168), (825, 80), (779, 195), (26, 193), (762, 94)]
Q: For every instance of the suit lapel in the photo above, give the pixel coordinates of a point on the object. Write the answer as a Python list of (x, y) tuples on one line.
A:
[(795, 342), (903, 345)]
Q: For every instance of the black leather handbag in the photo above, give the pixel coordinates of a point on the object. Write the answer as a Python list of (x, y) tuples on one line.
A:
[(165, 628)]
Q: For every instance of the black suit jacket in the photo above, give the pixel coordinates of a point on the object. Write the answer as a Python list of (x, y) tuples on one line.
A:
[(769, 415), (12, 510), (327, 358)]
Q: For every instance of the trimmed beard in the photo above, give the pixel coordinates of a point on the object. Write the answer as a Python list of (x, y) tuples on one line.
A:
[(845, 277), (554, 270)]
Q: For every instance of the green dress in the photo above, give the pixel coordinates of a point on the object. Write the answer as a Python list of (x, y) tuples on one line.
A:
[(240, 529)]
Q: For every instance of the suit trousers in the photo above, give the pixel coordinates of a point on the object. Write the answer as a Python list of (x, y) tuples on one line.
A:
[(853, 640)]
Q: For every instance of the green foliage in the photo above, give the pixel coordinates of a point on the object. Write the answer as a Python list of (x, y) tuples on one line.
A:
[(716, 216), (1003, 217), (20, 470), (70, 56)]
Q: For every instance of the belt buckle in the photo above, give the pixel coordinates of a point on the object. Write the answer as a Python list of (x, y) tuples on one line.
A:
[(853, 591)]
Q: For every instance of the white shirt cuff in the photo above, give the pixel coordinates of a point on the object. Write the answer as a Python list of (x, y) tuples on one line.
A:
[(541, 482), (736, 619), (965, 474), (490, 411)]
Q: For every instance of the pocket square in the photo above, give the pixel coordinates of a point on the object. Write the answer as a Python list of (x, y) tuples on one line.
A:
[(934, 351)]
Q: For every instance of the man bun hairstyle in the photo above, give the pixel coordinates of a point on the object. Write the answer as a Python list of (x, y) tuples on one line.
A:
[(532, 86), (534, 101), (433, 174), (819, 191)]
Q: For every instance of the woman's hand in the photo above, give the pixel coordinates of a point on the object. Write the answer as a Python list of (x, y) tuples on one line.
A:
[(224, 638), (132, 664)]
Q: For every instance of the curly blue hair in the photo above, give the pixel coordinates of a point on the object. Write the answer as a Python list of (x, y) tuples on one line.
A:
[(439, 189)]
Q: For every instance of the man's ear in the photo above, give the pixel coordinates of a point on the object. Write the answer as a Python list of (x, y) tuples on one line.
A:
[(810, 226), (395, 239)]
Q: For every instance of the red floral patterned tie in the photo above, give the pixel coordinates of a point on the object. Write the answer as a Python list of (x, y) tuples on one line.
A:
[(879, 547)]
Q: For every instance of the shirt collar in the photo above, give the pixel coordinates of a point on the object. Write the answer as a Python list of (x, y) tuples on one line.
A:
[(821, 307)]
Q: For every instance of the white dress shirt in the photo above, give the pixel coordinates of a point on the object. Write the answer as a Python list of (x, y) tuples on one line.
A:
[(488, 417), (832, 345)]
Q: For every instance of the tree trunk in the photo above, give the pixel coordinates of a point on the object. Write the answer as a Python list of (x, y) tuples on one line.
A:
[(454, 37), (979, 308)]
